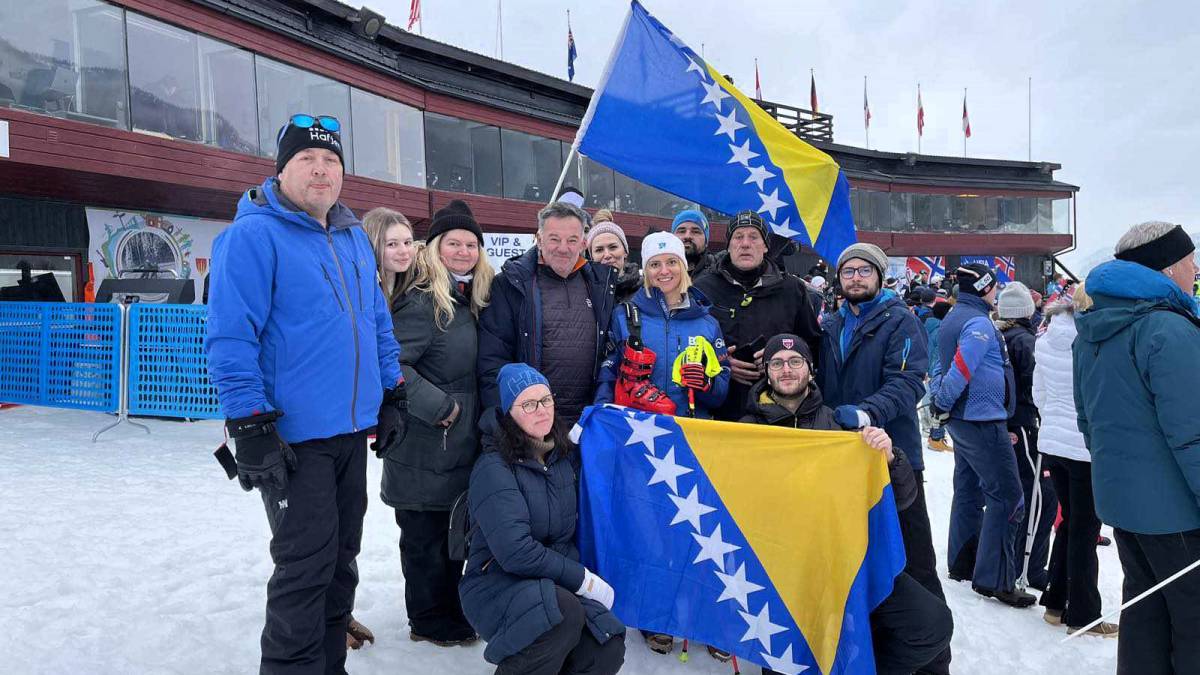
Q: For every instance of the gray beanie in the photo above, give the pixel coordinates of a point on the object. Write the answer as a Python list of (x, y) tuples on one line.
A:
[(869, 252), (1015, 302)]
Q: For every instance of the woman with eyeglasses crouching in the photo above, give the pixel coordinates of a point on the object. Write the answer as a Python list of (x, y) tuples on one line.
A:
[(524, 590)]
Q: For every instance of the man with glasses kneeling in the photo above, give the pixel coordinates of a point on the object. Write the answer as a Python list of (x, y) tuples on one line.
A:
[(912, 626), (301, 351)]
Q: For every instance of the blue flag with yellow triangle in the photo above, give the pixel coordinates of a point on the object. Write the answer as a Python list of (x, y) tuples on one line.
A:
[(665, 117), (771, 543)]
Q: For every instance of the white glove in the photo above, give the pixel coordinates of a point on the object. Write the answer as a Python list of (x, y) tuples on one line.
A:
[(595, 588)]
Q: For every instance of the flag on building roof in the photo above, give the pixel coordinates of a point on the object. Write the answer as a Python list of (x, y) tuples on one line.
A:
[(664, 116), (571, 53), (682, 518), (866, 106), (812, 91), (414, 13), (920, 114), (757, 82), (966, 118)]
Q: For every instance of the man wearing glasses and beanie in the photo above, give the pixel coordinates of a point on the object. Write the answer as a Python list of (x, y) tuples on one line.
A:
[(301, 351), (874, 355)]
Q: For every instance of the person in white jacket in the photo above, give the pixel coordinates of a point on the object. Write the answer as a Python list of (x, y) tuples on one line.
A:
[(1072, 597)]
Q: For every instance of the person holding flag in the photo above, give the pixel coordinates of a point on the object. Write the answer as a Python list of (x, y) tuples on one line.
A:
[(912, 626)]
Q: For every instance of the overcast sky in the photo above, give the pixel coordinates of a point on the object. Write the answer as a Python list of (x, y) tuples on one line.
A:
[(1115, 96)]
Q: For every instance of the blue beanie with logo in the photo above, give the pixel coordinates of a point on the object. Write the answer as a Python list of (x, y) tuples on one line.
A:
[(515, 378), (691, 216)]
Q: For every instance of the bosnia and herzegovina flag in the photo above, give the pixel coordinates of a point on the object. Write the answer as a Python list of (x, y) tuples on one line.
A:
[(771, 543), (663, 116)]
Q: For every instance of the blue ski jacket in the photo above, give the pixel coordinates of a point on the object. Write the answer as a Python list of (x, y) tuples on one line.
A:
[(975, 379)]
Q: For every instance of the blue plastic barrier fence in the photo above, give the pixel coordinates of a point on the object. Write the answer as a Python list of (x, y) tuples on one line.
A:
[(168, 369), (63, 355)]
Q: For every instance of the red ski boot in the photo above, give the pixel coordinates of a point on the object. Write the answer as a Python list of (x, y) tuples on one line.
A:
[(634, 388)]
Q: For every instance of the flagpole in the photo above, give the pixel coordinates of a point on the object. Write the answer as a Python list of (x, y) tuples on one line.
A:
[(965, 117), (500, 28), (919, 121), (1029, 98), (866, 107)]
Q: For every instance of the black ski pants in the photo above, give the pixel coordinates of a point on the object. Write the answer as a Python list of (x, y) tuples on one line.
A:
[(1074, 565), (431, 577), (316, 532), (568, 648), (1161, 634), (922, 561)]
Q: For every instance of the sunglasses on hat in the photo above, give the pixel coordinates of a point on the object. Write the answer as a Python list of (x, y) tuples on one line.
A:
[(306, 121)]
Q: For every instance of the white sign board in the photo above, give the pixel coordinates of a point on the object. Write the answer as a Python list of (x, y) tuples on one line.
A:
[(127, 241), (503, 245), (3, 138)]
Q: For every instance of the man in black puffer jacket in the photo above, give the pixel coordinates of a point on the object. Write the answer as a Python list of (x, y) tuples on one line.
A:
[(912, 626), (753, 299)]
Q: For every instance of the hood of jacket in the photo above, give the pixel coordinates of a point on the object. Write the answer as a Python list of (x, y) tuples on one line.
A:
[(269, 199), (1124, 292), (771, 276), (1061, 331), (762, 405), (652, 300)]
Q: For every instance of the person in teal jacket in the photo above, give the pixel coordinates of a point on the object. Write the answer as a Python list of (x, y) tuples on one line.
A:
[(1136, 366)]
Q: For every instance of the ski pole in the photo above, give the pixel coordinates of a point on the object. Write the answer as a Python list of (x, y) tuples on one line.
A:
[(1035, 510), (1157, 587)]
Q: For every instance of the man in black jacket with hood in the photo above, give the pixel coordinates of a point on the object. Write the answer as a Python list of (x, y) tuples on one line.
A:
[(912, 626), (753, 299)]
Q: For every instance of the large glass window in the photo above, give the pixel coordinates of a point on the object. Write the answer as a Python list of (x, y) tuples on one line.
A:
[(284, 91), (462, 156), (389, 139), (594, 180), (531, 165), (228, 112), (164, 79), (65, 58)]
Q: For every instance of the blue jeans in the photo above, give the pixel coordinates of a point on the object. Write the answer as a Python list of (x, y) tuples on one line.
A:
[(988, 505)]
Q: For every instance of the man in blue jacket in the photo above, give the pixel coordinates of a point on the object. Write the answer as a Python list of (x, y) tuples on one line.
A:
[(1137, 365), (550, 309), (976, 391), (873, 363), (301, 350)]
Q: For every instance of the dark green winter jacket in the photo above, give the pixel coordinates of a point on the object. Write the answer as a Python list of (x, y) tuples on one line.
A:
[(1137, 373)]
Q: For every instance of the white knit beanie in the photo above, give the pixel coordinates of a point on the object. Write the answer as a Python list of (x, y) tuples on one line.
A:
[(1015, 302), (659, 243)]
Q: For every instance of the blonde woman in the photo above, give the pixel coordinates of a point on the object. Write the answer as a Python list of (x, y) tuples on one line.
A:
[(391, 236), (435, 321)]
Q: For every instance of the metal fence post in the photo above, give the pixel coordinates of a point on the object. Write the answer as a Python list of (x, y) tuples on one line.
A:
[(123, 367)]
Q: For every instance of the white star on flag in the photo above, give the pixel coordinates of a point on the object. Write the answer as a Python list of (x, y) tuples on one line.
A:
[(742, 154), (690, 509), (784, 229), (644, 432), (714, 548), (771, 203), (758, 174), (729, 124), (692, 65), (760, 627), (667, 471), (784, 663), (736, 586), (715, 94)]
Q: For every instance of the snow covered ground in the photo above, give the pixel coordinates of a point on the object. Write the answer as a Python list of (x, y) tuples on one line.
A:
[(136, 555)]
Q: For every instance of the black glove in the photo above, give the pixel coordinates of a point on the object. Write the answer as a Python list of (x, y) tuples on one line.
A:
[(393, 420), (940, 416), (264, 460)]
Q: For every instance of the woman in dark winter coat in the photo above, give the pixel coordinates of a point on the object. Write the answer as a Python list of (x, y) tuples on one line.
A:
[(435, 322), (1015, 307), (912, 626), (606, 244), (526, 593)]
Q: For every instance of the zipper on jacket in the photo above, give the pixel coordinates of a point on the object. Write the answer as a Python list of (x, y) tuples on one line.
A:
[(358, 282), (341, 307), (353, 326)]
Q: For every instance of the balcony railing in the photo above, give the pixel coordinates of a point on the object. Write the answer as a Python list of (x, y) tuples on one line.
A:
[(809, 125)]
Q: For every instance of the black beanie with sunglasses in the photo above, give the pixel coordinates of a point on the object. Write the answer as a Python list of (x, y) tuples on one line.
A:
[(293, 139)]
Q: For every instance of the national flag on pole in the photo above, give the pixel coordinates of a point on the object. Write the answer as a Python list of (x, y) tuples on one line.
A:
[(414, 13), (866, 106), (920, 114), (571, 53), (664, 116), (757, 82), (812, 92), (966, 119), (683, 518)]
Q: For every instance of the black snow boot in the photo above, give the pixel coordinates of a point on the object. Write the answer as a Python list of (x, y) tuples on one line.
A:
[(1013, 598)]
